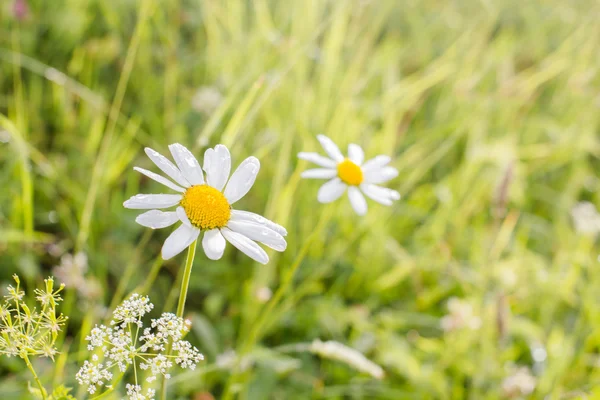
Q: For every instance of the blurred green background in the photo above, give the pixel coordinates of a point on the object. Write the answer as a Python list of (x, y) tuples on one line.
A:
[(482, 282)]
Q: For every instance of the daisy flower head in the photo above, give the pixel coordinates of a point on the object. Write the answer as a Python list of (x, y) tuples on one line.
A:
[(351, 174), (203, 204)]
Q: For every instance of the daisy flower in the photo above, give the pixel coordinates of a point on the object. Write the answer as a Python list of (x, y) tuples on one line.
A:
[(350, 173), (204, 205)]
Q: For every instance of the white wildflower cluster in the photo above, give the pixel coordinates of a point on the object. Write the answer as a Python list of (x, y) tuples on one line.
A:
[(460, 315), (127, 343), (354, 358), (134, 392), (520, 384), (28, 332), (586, 218)]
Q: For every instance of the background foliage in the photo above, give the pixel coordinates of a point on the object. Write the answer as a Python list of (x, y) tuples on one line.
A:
[(490, 110)]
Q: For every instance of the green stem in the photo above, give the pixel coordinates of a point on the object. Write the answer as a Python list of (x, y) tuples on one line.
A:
[(37, 380), (185, 283), (113, 116)]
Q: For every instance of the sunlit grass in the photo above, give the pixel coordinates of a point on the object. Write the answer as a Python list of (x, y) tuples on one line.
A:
[(490, 111)]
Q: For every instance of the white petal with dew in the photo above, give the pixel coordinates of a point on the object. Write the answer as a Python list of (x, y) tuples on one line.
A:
[(356, 154), (187, 163), (166, 166), (381, 175), (217, 164), (376, 163), (242, 179), (245, 245), (150, 201), (330, 148), (238, 215), (380, 194), (259, 233), (180, 211), (179, 240), (213, 244), (157, 219), (317, 159), (331, 190), (159, 179), (319, 173)]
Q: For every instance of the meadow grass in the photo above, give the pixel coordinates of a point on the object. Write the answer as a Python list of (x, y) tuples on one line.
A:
[(490, 111)]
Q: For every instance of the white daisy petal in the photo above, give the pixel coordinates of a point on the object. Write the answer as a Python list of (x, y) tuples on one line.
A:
[(242, 179), (150, 201), (179, 240), (357, 200), (187, 163), (380, 194), (331, 191), (245, 245), (238, 215), (317, 159), (217, 164), (356, 154), (380, 175), (376, 163), (159, 179), (157, 219), (259, 233), (331, 148), (167, 167), (213, 244), (319, 173), (183, 216)]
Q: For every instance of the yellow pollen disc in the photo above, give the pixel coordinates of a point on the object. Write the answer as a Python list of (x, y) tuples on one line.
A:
[(206, 207), (350, 173)]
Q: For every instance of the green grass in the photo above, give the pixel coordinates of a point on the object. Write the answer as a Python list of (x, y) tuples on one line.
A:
[(489, 109)]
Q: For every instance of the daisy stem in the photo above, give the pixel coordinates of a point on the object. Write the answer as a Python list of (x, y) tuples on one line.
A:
[(185, 282), (37, 380)]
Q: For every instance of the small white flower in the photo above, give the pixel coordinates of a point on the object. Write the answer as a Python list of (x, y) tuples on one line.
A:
[(132, 310), (134, 392), (94, 375), (263, 294), (72, 269), (352, 174), (520, 383), (207, 99), (586, 218), (204, 205), (460, 315)]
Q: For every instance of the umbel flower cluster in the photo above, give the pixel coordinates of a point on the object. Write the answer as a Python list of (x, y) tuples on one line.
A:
[(126, 343), (26, 332)]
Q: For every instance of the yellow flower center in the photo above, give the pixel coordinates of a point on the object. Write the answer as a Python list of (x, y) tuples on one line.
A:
[(350, 173), (206, 207)]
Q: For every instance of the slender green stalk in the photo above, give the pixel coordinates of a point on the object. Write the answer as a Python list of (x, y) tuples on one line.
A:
[(185, 283), (37, 380), (144, 288), (90, 201)]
